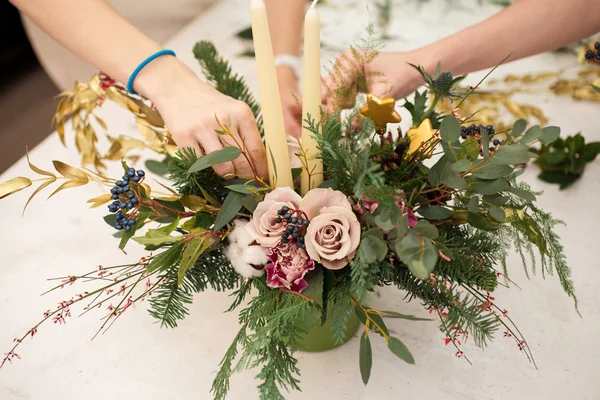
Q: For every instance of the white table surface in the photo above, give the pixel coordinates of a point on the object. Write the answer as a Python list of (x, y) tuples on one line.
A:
[(138, 360)]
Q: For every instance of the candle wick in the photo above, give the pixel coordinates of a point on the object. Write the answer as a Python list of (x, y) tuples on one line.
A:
[(314, 3)]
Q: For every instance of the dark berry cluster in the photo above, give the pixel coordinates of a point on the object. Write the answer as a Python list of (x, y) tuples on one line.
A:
[(475, 131), (443, 81), (296, 225), (124, 200), (591, 55)]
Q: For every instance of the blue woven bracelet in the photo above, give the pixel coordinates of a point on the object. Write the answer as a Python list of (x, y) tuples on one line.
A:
[(143, 64)]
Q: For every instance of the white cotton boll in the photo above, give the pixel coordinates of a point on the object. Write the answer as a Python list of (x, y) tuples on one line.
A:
[(239, 234), (246, 270), (233, 252), (255, 255)]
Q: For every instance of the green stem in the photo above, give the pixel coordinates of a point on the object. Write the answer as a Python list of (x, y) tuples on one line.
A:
[(429, 110)]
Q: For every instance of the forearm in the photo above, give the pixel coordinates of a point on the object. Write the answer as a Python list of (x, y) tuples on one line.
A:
[(285, 22), (98, 34), (523, 29)]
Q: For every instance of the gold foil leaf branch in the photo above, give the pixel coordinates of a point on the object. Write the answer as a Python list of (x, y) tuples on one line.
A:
[(79, 104)]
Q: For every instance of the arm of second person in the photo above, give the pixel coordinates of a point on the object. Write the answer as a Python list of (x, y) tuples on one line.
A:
[(285, 21)]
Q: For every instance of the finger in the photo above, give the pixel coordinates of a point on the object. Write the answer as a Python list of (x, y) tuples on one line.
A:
[(242, 166), (293, 120), (250, 136), (210, 142), (189, 142)]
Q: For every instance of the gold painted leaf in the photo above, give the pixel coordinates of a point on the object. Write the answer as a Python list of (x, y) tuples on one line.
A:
[(72, 173), (100, 122), (67, 185), (36, 169), (60, 128), (148, 133), (147, 188), (132, 106), (13, 186), (121, 146), (39, 189), (100, 200), (194, 203)]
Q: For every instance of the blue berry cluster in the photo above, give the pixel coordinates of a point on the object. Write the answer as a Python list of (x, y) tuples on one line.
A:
[(593, 55), (296, 226), (124, 200), (475, 130)]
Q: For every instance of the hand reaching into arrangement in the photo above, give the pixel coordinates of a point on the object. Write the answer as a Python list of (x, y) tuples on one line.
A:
[(190, 109), (388, 75), (291, 101)]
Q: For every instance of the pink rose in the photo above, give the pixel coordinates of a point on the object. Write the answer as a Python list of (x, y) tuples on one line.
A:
[(288, 266), (333, 235), (264, 227)]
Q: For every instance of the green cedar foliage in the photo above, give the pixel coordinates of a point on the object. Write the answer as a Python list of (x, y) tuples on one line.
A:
[(169, 301), (268, 332)]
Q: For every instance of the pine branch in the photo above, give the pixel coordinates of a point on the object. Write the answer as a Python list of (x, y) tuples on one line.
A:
[(170, 303), (218, 72), (197, 183)]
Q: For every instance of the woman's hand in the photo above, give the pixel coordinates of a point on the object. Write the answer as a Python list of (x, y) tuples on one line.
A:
[(396, 78), (290, 101), (190, 109)]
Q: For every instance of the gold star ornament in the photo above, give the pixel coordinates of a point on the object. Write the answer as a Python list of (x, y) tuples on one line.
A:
[(381, 111), (420, 135)]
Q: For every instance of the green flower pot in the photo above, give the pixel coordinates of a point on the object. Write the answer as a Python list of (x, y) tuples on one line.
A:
[(320, 337)]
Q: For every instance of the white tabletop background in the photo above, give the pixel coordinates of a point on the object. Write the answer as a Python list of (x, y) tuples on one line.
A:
[(138, 360)]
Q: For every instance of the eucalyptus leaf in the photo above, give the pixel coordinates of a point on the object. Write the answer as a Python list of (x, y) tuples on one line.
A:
[(485, 143), (434, 176), (532, 134), (473, 204), (160, 168), (377, 324), (220, 156), (450, 129), (231, 206), (488, 170), (400, 350), (497, 213), (250, 203), (365, 357), (453, 179), (549, 134), (518, 129), (434, 212), (495, 199), (470, 148), (522, 193), (461, 165), (489, 187), (512, 154), (246, 189), (372, 249), (428, 230), (418, 253), (480, 221), (452, 150)]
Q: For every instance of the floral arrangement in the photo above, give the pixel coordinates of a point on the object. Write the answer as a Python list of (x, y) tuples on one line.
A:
[(296, 263)]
